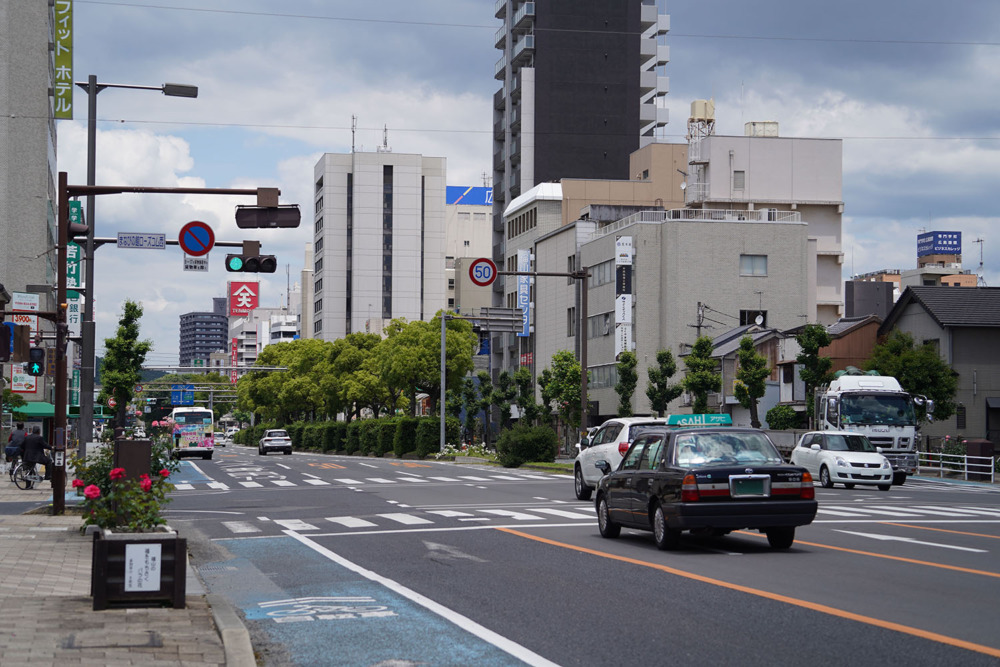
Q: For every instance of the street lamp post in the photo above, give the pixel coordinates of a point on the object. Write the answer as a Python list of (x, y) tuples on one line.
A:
[(88, 361)]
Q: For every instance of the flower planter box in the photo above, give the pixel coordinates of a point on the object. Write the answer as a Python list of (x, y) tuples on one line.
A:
[(138, 569)]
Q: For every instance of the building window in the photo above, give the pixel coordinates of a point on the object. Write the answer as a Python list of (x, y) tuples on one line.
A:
[(571, 321), (739, 180), (318, 306), (753, 265), (319, 244), (451, 283), (465, 243)]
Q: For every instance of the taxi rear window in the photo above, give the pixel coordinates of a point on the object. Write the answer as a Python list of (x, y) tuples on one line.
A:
[(694, 449)]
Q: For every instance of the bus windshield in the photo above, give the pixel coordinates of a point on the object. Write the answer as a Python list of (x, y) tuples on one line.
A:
[(892, 409), (193, 417)]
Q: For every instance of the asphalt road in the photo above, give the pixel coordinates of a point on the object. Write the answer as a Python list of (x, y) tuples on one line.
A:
[(359, 561)]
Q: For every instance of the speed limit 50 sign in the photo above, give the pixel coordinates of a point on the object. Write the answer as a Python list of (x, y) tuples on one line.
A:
[(483, 271)]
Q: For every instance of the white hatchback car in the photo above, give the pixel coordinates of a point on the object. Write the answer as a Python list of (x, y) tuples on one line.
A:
[(843, 457), (609, 443)]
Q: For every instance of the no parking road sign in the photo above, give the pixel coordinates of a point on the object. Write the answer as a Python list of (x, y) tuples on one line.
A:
[(483, 271), (196, 238)]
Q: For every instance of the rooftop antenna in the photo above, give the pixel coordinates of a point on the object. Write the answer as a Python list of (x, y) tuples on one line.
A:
[(384, 148), (354, 127), (982, 281)]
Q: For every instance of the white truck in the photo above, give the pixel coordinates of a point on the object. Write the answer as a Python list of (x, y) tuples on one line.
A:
[(878, 407)]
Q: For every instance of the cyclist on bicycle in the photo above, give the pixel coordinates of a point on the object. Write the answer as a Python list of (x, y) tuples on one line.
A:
[(14, 443), (34, 451)]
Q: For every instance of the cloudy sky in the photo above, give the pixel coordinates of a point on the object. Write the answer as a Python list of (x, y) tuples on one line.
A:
[(910, 85)]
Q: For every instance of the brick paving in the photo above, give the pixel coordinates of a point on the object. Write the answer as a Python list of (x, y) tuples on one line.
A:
[(47, 611)]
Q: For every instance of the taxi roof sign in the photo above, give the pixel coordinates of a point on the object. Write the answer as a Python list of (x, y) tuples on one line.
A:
[(699, 420)]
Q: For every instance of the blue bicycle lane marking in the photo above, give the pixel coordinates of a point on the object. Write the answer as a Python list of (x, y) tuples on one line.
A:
[(189, 474), (322, 613)]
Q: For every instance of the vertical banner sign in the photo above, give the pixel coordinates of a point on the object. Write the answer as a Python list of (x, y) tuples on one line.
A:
[(74, 389), (23, 304), (233, 361), (63, 107), (524, 292), (243, 298), (73, 255), (73, 319), (623, 294)]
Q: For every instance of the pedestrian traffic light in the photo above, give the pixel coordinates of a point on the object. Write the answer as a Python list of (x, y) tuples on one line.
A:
[(250, 260), (251, 263), (36, 361), (6, 344)]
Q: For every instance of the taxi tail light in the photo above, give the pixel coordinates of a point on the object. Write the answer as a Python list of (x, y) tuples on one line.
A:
[(689, 490), (808, 491), (623, 447)]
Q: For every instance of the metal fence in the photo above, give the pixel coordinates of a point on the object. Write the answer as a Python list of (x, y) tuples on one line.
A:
[(977, 468)]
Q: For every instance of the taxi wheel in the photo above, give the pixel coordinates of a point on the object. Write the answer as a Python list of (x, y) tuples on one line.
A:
[(824, 478), (607, 527), (666, 538), (582, 490), (780, 537)]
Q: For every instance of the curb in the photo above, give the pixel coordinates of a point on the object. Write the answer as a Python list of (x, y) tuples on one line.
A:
[(235, 636)]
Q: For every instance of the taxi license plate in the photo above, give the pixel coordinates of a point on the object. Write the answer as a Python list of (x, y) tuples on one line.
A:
[(742, 486)]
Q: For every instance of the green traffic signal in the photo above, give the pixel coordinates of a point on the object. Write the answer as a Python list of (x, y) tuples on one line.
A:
[(36, 361), (234, 263)]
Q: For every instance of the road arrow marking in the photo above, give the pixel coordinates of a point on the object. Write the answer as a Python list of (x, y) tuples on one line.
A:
[(893, 538), (449, 552)]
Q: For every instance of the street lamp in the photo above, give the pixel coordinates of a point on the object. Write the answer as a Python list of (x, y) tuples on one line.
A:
[(88, 328)]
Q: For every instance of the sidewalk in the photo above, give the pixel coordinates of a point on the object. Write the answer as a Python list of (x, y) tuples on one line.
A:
[(48, 612)]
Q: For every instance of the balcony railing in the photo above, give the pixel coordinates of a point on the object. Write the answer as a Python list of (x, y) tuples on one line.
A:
[(498, 71), (523, 16), (524, 48), (700, 215), (500, 9)]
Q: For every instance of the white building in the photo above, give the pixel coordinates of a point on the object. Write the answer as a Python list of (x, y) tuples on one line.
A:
[(379, 247), (468, 236)]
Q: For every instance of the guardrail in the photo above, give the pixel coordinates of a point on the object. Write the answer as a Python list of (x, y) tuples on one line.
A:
[(978, 468)]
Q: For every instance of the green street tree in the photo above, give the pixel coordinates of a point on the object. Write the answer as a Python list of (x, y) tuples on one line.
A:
[(920, 370), (815, 369), (525, 396), (561, 391), (628, 378), (659, 391), (125, 354), (750, 378), (701, 378)]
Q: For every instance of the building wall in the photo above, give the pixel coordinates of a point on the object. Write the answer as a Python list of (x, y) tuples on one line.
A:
[(354, 269), (975, 361), (27, 146)]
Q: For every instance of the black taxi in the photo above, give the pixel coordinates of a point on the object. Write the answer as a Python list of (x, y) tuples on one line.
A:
[(709, 480)]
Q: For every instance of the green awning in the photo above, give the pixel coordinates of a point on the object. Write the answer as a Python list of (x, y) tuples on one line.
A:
[(35, 409)]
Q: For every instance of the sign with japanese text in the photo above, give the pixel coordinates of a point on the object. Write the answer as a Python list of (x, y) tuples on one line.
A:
[(23, 304), (73, 314), (63, 52), (623, 251), (244, 297), (524, 292), (233, 359), (73, 255), (195, 263), (142, 567), (939, 243)]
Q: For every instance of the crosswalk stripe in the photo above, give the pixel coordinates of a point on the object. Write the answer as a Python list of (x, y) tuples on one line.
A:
[(251, 485), (826, 510), (347, 481), (295, 524), (218, 485), (947, 511), (406, 519), (562, 513), (282, 482), (979, 511), (450, 514), (474, 479), (317, 482), (381, 480), (411, 479), (350, 521), (444, 479), (239, 527), (183, 487), (509, 478), (517, 516), (864, 511)]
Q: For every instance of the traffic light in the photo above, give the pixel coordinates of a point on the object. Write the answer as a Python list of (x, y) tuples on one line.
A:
[(250, 260), (6, 343), (36, 361), (251, 263), (268, 216)]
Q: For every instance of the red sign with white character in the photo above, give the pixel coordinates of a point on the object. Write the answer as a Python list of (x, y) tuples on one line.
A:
[(243, 298), (233, 361)]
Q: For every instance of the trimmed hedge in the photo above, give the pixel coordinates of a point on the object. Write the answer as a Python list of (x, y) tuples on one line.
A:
[(523, 444), (352, 442), (368, 431), (334, 436), (405, 440), (386, 435)]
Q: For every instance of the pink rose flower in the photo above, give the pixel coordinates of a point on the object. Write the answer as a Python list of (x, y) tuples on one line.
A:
[(117, 473), (92, 492), (146, 485), (164, 473), (77, 483)]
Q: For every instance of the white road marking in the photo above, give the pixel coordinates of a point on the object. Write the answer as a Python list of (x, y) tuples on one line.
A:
[(347, 481), (957, 511), (444, 479), (251, 485), (295, 524), (368, 465), (517, 516), (910, 540), (316, 482), (872, 510), (405, 519), (241, 527), (563, 513), (381, 480), (467, 624), (449, 552), (451, 514), (350, 522), (218, 485), (282, 465), (508, 478), (474, 479), (183, 487), (282, 482), (411, 479)]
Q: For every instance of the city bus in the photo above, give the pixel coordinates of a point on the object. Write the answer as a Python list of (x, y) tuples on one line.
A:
[(193, 432)]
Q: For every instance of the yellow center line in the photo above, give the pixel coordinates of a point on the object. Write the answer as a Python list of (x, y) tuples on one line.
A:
[(823, 609), (914, 561)]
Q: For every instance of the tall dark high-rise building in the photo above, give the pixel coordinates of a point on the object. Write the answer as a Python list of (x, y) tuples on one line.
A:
[(580, 91), (204, 333)]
